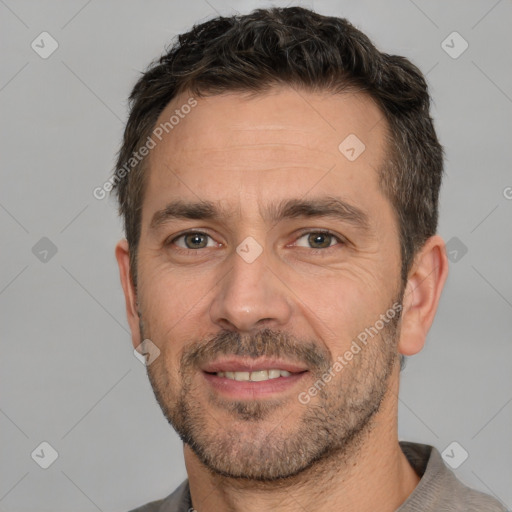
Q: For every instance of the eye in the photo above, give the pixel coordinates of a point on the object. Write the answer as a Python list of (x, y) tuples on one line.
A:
[(318, 240), (193, 240)]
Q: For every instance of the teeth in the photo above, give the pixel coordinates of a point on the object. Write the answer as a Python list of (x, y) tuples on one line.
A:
[(256, 376), (274, 374)]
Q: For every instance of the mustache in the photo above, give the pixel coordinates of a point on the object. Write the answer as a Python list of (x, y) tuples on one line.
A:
[(265, 343)]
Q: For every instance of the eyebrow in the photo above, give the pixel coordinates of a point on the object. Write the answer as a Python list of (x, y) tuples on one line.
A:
[(320, 207), (331, 207)]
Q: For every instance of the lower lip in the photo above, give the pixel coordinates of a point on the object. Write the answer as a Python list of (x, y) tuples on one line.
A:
[(251, 390)]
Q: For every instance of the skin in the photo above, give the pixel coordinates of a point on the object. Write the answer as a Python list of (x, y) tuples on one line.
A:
[(249, 153)]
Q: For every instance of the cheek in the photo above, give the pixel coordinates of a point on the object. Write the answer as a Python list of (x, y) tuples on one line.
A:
[(165, 291), (173, 305), (341, 306)]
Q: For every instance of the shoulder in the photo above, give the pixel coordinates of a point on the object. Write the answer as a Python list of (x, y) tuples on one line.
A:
[(439, 489), (177, 501)]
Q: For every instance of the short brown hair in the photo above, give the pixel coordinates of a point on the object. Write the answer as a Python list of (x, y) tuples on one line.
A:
[(300, 48)]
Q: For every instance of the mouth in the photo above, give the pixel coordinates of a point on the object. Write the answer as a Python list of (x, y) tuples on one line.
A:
[(252, 378)]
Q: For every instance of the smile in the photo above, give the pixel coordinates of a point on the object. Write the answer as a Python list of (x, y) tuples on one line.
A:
[(256, 376)]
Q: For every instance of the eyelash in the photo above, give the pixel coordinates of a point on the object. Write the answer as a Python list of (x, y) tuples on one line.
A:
[(340, 240)]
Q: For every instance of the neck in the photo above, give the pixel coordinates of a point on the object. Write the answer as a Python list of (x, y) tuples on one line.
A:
[(371, 474)]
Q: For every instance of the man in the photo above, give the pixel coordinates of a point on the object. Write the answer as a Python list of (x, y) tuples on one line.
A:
[(279, 182)]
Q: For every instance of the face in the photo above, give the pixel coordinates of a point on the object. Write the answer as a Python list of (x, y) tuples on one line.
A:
[(266, 251)]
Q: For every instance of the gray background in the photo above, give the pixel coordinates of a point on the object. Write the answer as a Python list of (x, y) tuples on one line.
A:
[(68, 373)]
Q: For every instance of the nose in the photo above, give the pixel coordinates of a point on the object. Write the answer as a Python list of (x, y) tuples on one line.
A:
[(251, 297)]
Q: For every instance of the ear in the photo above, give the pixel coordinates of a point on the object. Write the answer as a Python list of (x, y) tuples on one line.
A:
[(421, 298), (123, 261)]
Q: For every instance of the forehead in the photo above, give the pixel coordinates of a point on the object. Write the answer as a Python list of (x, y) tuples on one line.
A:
[(282, 143)]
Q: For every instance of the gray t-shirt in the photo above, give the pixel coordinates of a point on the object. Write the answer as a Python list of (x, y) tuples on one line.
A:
[(438, 490)]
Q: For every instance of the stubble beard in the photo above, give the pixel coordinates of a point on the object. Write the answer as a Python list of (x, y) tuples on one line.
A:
[(243, 440)]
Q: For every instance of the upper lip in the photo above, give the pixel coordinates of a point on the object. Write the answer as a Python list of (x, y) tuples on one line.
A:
[(234, 364)]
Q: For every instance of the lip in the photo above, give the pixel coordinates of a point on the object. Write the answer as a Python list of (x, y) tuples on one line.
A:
[(251, 390), (236, 364)]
